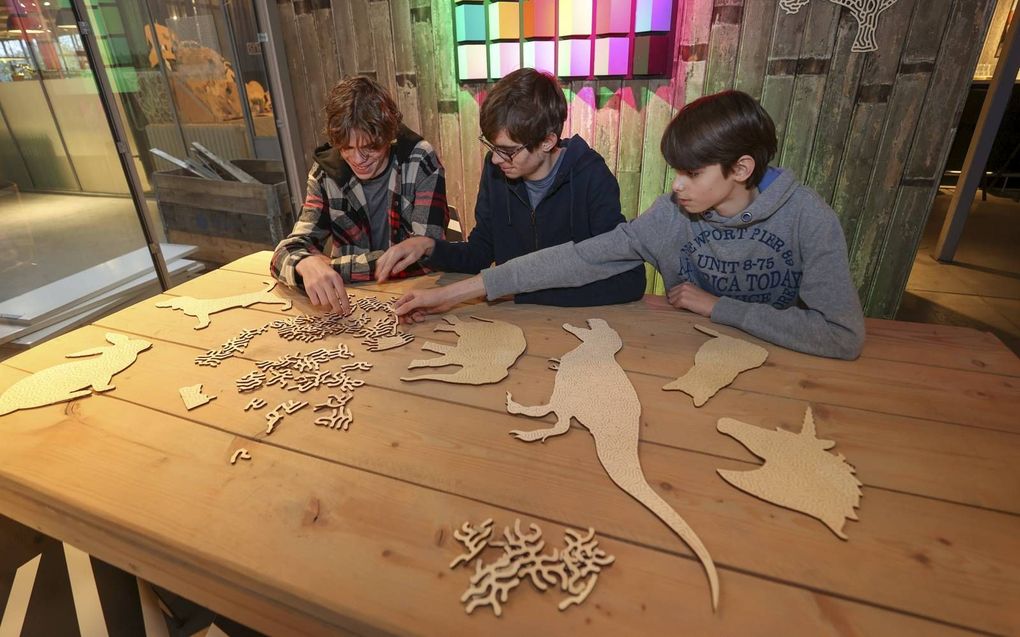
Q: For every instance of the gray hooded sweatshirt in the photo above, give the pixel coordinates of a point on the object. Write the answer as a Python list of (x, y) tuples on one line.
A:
[(779, 267)]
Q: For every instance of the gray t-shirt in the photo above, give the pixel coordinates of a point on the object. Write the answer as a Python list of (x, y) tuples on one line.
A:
[(377, 198), (538, 188)]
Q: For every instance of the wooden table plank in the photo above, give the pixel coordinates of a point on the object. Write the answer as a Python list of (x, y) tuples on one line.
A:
[(898, 555), (288, 542)]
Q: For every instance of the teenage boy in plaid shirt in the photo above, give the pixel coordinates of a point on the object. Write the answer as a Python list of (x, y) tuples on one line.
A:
[(374, 184)]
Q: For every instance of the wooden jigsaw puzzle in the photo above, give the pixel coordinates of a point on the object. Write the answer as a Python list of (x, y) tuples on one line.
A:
[(202, 308), (799, 473), (68, 381), (485, 351), (591, 387), (717, 364)]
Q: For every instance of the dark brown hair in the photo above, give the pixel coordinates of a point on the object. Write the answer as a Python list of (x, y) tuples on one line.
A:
[(360, 103), (720, 129), (528, 104)]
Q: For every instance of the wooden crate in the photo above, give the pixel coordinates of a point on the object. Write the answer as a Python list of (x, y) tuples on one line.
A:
[(225, 219)]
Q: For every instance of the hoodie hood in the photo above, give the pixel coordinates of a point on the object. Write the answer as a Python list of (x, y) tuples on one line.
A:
[(334, 165), (779, 185)]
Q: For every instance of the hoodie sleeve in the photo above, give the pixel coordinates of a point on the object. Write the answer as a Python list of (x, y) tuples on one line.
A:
[(311, 230), (574, 264), (602, 202), (827, 320), (477, 252)]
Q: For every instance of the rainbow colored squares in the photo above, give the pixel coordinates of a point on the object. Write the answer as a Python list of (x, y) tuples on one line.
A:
[(568, 38)]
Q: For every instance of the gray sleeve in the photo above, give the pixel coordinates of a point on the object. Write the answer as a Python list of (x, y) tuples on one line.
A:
[(828, 321), (571, 265)]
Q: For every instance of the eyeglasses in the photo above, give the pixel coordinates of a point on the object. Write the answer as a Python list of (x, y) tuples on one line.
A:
[(508, 155)]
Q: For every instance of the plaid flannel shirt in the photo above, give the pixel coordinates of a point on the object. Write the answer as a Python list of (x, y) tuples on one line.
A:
[(334, 218)]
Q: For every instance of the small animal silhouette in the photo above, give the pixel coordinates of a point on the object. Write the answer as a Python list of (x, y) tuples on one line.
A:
[(592, 387), (68, 381), (485, 351), (798, 473), (716, 364), (202, 308)]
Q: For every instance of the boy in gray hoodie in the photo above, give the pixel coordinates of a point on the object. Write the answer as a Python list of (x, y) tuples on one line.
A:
[(738, 241)]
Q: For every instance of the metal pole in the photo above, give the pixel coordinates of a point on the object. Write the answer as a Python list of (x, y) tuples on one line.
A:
[(113, 118), (268, 17), (988, 122)]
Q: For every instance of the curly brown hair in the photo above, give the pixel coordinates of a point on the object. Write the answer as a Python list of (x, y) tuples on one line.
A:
[(360, 103)]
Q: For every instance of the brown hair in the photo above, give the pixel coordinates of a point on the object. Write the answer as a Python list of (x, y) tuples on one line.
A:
[(528, 104), (360, 103), (720, 129)]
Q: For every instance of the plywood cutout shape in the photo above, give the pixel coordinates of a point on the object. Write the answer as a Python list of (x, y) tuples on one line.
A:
[(202, 308), (193, 396), (68, 381), (485, 351), (798, 473), (865, 12), (592, 387), (716, 365)]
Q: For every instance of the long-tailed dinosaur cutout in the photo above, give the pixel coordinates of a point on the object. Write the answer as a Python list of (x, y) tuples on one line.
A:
[(592, 387), (202, 308), (485, 351), (68, 381), (716, 364), (798, 472)]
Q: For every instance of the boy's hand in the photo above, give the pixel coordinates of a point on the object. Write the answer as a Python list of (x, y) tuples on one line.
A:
[(688, 296), (401, 255), (413, 306), (324, 286)]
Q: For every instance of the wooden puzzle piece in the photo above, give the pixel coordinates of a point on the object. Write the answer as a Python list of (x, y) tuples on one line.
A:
[(68, 381), (798, 473), (574, 570), (193, 396), (591, 387), (240, 454), (717, 363), (382, 343), (202, 308), (474, 540), (337, 419), (485, 351), (255, 403)]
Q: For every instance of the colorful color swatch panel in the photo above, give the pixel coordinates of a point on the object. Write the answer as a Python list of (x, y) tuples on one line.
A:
[(576, 39)]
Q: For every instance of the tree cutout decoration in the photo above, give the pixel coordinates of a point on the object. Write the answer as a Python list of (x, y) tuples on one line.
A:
[(798, 473), (193, 396), (716, 365), (575, 569), (592, 387), (68, 381), (865, 12), (485, 351), (202, 308)]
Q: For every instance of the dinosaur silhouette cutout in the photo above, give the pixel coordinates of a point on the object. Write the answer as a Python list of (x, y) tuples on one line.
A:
[(68, 381), (798, 473), (202, 308), (592, 387), (485, 351), (717, 363)]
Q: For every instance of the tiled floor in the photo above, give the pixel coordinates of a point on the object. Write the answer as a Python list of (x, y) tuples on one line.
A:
[(981, 289)]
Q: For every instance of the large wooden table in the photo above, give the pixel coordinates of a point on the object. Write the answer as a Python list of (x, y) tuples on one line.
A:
[(330, 532)]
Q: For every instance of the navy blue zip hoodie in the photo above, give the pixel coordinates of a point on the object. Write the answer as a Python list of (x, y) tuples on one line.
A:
[(582, 202)]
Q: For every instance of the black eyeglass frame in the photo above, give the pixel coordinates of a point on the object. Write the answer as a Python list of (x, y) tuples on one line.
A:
[(507, 155)]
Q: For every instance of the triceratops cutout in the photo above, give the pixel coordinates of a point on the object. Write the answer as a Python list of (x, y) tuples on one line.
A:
[(716, 364), (68, 381), (202, 308), (798, 472), (592, 387), (485, 351)]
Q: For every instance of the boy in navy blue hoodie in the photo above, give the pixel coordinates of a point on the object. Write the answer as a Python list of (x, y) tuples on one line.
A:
[(536, 191)]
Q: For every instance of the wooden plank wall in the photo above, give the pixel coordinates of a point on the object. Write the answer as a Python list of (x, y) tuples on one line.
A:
[(868, 131)]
